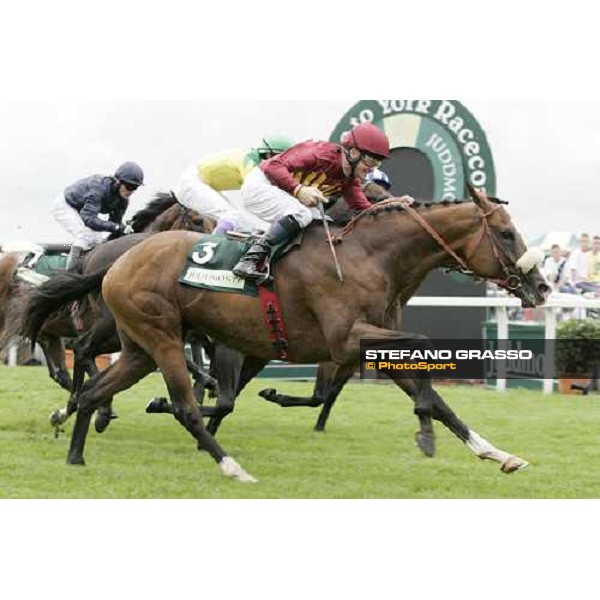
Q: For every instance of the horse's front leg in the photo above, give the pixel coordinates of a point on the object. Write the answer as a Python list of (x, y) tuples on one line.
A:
[(484, 450), (423, 396)]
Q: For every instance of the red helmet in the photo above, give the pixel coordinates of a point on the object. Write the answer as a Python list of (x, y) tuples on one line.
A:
[(369, 139)]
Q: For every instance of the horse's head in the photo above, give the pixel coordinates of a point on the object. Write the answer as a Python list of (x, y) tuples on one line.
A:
[(165, 213), (498, 252), (178, 217)]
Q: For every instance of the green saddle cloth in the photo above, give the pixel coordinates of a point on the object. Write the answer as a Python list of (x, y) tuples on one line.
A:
[(50, 264), (210, 265)]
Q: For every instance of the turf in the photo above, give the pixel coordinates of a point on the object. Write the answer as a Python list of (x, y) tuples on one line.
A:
[(367, 451)]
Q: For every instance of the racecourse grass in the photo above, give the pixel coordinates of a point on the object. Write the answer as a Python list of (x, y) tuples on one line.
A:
[(367, 452)]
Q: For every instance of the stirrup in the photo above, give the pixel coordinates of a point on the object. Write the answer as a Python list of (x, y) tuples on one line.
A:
[(259, 277)]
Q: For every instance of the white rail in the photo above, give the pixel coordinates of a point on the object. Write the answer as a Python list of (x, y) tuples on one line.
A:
[(502, 305)]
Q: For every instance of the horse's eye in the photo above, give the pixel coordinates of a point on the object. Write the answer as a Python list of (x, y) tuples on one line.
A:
[(508, 235)]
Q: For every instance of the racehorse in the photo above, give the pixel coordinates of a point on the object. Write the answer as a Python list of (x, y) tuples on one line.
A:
[(162, 213), (12, 294), (386, 253)]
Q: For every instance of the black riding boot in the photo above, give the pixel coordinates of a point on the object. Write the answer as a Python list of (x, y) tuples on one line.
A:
[(73, 259), (281, 231)]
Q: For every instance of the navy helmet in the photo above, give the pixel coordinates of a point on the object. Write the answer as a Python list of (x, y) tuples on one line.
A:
[(130, 172)]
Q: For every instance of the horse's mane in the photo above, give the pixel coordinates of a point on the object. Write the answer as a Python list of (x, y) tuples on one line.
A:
[(396, 205), (157, 206)]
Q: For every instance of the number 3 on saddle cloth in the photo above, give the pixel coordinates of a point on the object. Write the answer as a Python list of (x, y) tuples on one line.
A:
[(210, 266)]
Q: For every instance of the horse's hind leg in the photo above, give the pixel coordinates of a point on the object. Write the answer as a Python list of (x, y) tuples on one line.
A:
[(330, 382), (133, 365), (233, 371), (325, 374), (228, 366), (54, 352), (170, 358), (100, 339)]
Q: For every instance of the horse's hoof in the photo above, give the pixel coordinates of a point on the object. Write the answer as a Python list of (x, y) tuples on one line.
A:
[(77, 461), (426, 443), (513, 464), (102, 421), (211, 384), (55, 418), (157, 406), (230, 468), (268, 394)]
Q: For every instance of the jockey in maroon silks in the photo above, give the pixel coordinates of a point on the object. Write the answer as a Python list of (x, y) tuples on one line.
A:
[(287, 189)]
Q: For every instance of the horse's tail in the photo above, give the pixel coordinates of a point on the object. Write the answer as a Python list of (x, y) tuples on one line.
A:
[(53, 295), (8, 265), (8, 289)]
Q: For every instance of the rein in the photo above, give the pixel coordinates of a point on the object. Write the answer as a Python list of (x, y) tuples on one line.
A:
[(511, 282)]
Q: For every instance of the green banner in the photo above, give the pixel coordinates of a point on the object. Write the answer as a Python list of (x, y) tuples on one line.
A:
[(444, 130)]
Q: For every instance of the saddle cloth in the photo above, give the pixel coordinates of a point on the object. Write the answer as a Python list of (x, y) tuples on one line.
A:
[(210, 263), (38, 271)]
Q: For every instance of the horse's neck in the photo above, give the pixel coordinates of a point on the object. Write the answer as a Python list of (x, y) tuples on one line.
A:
[(406, 252), (164, 221)]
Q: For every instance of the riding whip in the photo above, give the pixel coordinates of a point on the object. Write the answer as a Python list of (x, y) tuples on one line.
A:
[(338, 268)]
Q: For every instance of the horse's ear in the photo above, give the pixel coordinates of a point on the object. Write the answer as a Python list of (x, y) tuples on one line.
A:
[(478, 197)]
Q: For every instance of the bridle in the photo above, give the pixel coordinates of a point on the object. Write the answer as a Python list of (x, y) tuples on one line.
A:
[(511, 281)]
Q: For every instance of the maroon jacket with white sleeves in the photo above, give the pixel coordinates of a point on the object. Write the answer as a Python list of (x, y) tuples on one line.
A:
[(319, 165)]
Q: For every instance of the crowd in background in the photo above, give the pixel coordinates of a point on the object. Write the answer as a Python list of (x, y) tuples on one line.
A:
[(577, 271)]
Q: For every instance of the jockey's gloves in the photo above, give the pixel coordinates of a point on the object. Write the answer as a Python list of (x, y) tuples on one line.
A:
[(310, 196)]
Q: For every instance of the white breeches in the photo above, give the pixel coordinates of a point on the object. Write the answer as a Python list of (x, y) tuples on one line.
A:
[(69, 218), (196, 195), (271, 203)]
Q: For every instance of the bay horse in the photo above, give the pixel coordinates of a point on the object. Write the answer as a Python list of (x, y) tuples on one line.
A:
[(386, 253)]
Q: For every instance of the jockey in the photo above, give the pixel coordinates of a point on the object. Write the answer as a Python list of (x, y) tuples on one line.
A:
[(286, 190), (201, 184), (78, 208)]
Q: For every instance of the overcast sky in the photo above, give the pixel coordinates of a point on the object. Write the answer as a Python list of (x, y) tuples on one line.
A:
[(547, 153)]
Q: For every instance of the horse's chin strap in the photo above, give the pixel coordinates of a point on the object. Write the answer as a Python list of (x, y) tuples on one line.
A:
[(512, 282)]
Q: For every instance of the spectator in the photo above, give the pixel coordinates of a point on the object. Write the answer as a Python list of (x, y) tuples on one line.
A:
[(592, 283), (578, 261), (554, 269)]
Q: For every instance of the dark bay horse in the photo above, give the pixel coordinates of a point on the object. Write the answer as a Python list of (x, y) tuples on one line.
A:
[(386, 253), (162, 213)]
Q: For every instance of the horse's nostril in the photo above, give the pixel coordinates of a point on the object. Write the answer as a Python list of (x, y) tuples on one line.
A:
[(544, 290)]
